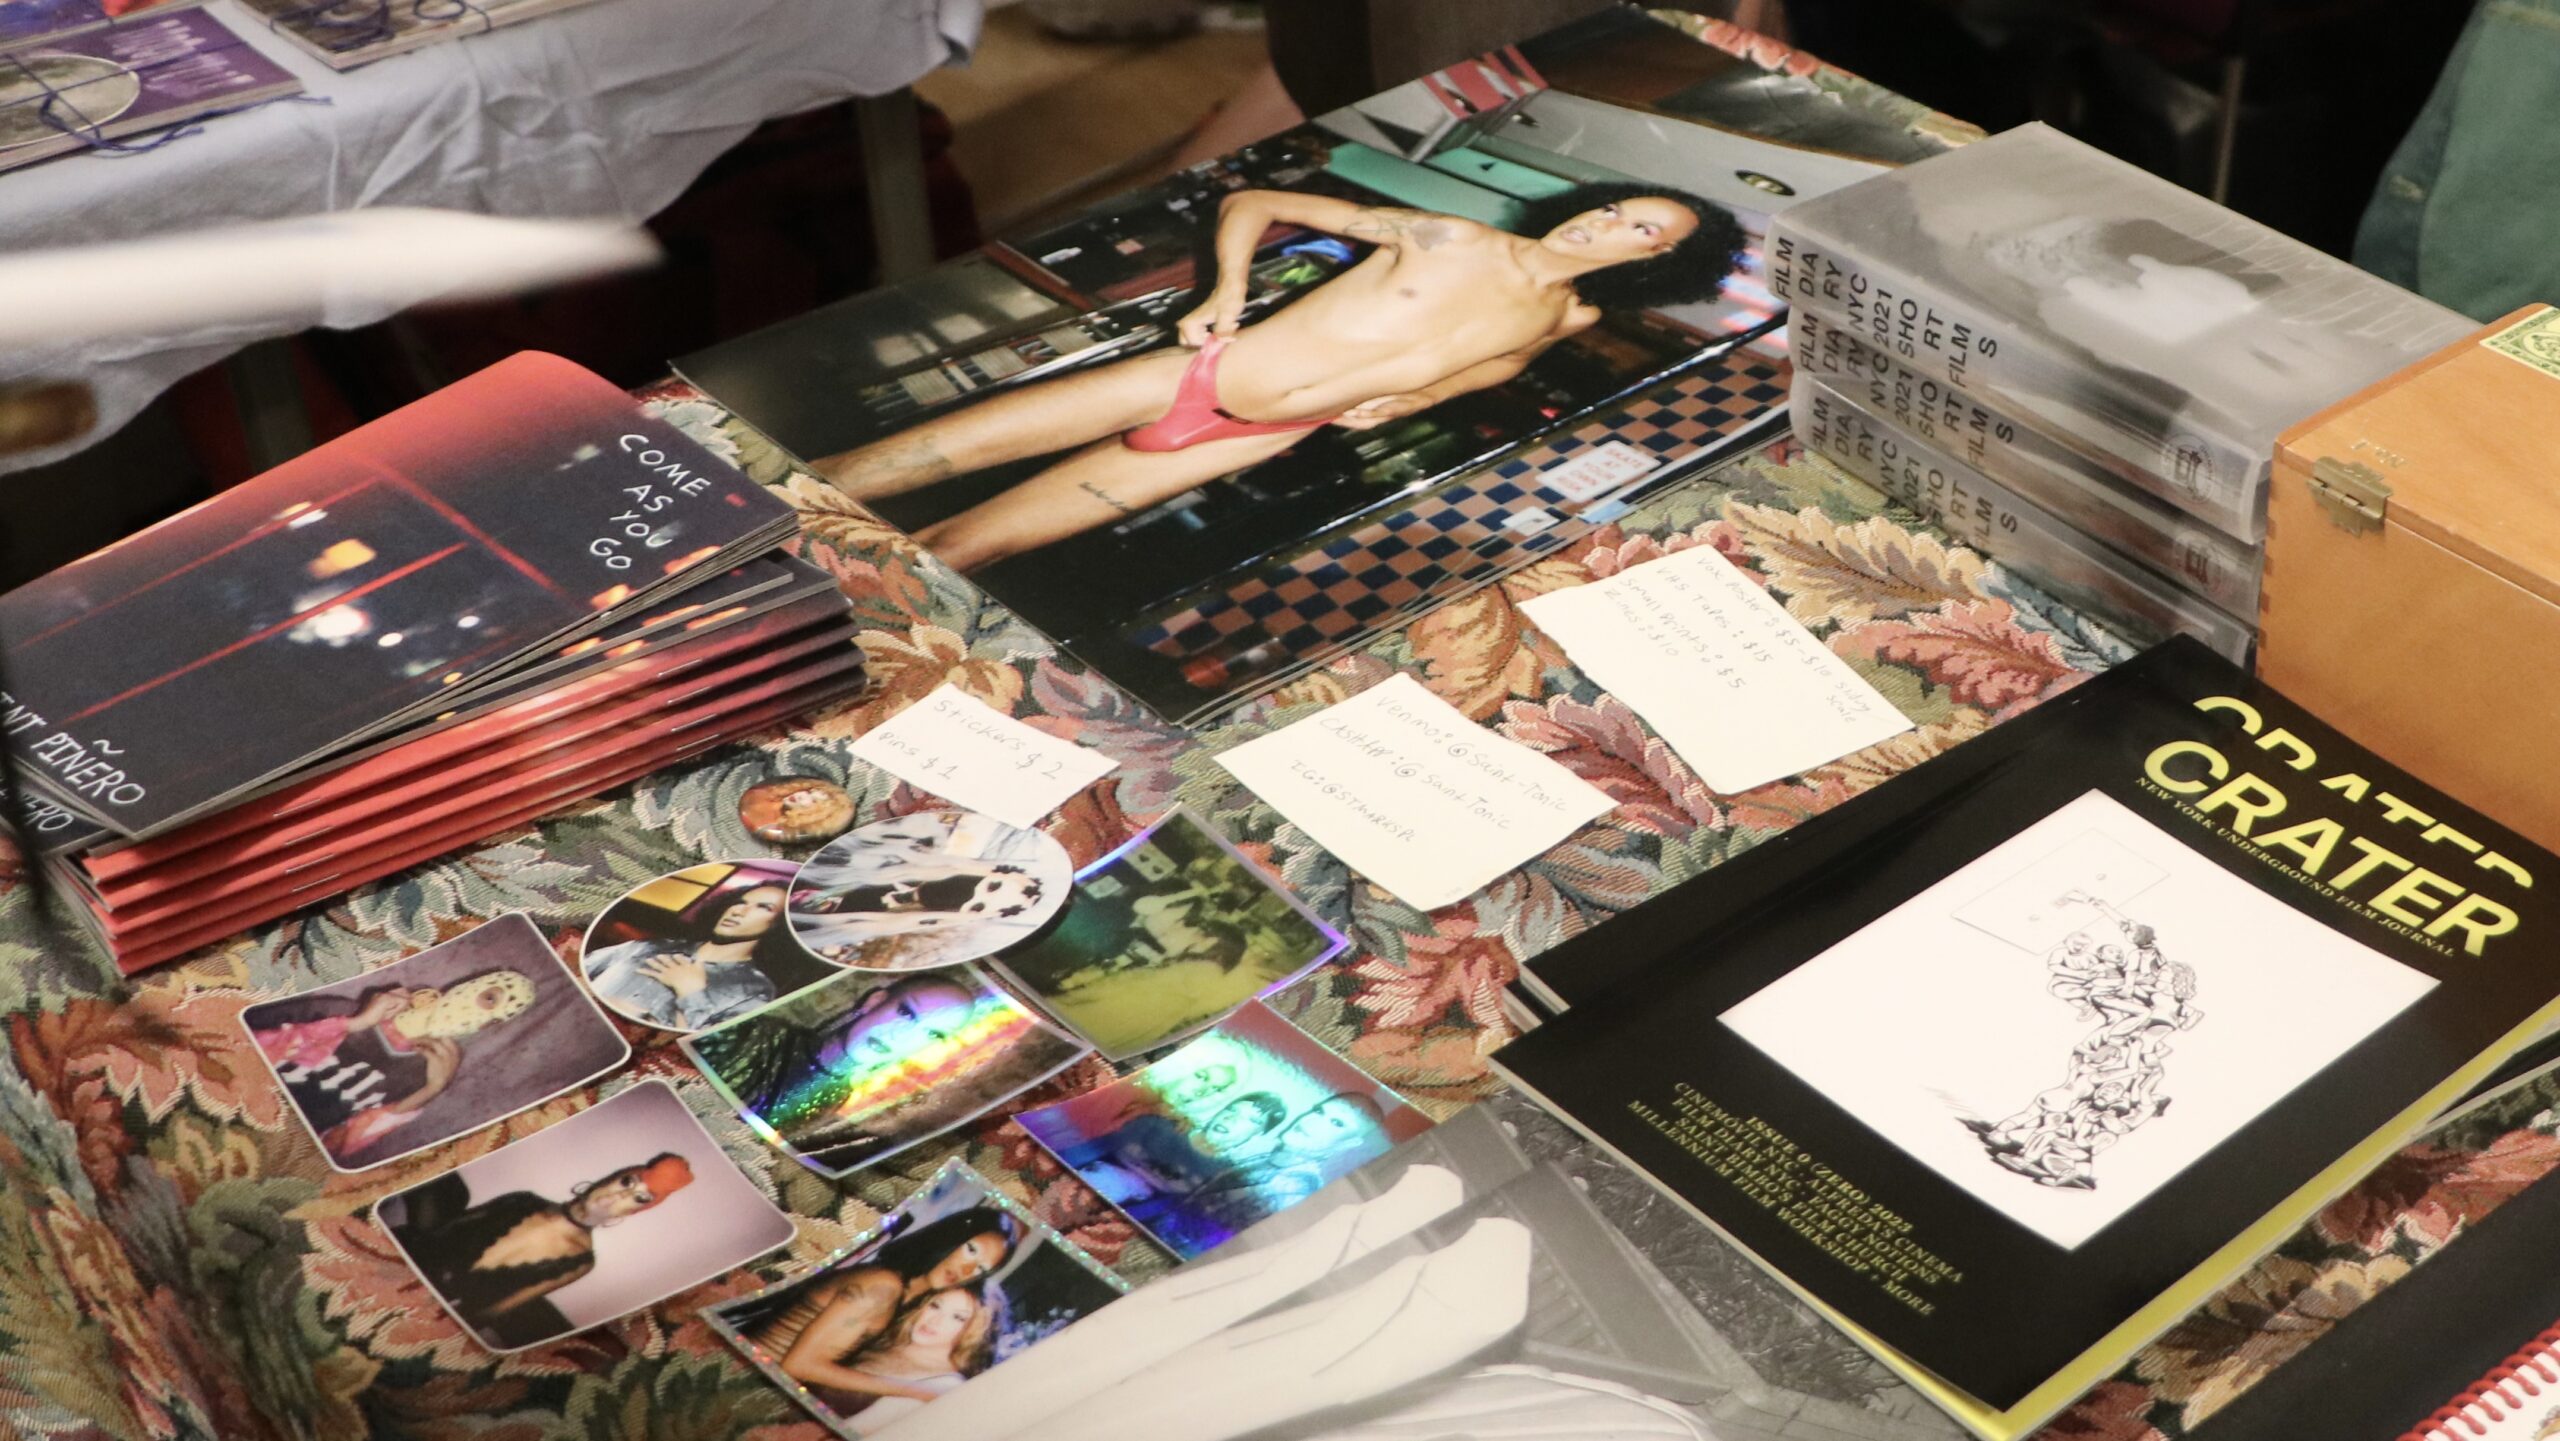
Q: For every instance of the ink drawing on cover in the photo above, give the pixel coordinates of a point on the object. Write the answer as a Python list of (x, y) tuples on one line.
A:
[(2068, 1021)]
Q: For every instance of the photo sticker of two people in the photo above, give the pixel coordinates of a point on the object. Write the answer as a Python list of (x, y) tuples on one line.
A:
[(928, 889), (857, 1069), (619, 1207), (1165, 935), (699, 946), (435, 1045), (1240, 1124), (957, 1279)]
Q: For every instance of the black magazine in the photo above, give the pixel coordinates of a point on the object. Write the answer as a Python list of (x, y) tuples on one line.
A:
[(2007, 1064), (2388, 1367)]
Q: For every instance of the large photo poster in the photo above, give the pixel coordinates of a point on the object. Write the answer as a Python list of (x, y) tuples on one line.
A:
[(1217, 429)]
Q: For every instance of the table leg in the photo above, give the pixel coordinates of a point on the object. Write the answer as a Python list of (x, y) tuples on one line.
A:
[(273, 419), (893, 172), (2226, 128)]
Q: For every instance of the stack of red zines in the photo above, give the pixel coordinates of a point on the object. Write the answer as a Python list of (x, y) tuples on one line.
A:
[(519, 591)]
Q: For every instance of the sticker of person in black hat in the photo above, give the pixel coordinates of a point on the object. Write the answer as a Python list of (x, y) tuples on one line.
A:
[(617, 1208)]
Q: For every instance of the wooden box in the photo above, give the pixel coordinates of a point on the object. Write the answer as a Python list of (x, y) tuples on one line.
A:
[(2412, 591)]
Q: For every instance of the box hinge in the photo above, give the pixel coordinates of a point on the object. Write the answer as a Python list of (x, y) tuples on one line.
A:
[(2354, 495)]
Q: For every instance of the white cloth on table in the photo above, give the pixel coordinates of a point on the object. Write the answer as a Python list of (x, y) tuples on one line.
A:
[(610, 109)]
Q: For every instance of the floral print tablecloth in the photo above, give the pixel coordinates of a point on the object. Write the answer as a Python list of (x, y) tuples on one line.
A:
[(177, 1260)]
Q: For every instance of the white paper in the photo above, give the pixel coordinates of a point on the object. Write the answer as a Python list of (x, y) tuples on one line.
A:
[(1923, 1020), (967, 752), (1718, 668), (1412, 794), (2034, 909)]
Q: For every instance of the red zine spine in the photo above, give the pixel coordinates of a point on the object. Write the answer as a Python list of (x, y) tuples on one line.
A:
[(2530, 1371)]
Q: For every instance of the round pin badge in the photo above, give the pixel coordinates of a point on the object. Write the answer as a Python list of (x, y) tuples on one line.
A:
[(796, 811)]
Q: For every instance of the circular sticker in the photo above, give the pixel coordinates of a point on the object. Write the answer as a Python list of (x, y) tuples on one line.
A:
[(928, 889), (796, 811), (699, 946), (44, 97)]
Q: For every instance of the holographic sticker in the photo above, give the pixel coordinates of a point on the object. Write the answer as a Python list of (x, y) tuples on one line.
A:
[(1241, 1124), (1164, 936), (956, 1279), (860, 1067), (928, 889)]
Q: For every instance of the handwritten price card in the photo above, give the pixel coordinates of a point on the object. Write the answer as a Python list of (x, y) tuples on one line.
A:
[(967, 752), (1412, 794), (1718, 669)]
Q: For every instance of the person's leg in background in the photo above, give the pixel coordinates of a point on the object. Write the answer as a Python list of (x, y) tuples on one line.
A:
[(1260, 107), (1036, 419), (1333, 52), (1102, 484), (1330, 53)]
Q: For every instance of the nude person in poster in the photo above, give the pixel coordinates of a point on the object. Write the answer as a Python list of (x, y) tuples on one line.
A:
[(1441, 307)]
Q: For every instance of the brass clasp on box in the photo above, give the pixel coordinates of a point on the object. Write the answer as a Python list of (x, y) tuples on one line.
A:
[(2354, 495)]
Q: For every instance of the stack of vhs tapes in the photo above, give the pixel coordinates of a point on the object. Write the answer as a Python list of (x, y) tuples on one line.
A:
[(2079, 368)]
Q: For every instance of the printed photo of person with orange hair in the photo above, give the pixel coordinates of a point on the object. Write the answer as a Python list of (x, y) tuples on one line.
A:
[(617, 1208)]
